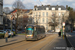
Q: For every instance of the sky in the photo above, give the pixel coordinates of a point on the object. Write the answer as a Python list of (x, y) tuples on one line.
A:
[(29, 4)]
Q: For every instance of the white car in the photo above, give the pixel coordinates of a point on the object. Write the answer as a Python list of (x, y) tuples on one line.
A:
[(10, 33)]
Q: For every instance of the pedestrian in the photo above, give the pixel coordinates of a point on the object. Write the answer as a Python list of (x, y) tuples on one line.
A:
[(6, 36), (59, 33)]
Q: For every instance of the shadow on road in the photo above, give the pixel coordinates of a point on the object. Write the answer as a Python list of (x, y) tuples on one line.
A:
[(13, 40)]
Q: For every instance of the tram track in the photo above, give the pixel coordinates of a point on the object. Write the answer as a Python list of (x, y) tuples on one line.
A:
[(29, 42), (28, 45), (40, 43)]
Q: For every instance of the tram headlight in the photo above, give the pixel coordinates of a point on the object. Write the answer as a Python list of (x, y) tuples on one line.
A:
[(29, 35)]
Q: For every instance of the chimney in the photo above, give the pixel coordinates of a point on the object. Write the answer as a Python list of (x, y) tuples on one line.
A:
[(35, 6), (42, 5), (48, 5), (66, 6), (57, 5)]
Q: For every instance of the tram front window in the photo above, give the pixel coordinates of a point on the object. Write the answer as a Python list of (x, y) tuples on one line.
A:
[(29, 31)]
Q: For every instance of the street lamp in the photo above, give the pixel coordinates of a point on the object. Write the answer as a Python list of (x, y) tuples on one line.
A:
[(11, 27)]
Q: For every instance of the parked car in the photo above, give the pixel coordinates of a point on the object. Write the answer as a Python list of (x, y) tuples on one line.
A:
[(9, 30), (2, 33), (73, 31), (50, 31)]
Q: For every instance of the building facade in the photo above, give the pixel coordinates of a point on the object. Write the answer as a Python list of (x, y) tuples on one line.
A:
[(48, 15), (1, 14)]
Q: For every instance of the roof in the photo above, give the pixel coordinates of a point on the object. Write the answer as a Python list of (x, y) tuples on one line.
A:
[(25, 10), (28, 10), (50, 7)]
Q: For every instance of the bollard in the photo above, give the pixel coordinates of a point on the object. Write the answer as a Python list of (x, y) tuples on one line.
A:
[(63, 36)]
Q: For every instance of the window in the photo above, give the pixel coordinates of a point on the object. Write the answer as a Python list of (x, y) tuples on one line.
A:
[(33, 14), (47, 14), (47, 27), (43, 20), (53, 14), (39, 13), (53, 8), (39, 20), (47, 8), (59, 14), (59, 8), (46, 20), (1, 10), (36, 14), (43, 14)]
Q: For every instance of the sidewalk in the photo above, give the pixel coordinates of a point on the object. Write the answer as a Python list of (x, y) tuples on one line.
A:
[(15, 39)]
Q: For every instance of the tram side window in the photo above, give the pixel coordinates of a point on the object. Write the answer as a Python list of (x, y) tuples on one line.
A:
[(41, 30), (37, 30)]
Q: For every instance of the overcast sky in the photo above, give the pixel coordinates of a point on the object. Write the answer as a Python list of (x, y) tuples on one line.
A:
[(29, 4)]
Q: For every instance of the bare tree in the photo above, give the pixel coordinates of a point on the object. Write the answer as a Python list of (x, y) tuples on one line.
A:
[(17, 5), (54, 21), (6, 9), (25, 20)]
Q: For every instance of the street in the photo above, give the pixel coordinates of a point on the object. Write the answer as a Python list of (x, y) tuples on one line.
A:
[(50, 42)]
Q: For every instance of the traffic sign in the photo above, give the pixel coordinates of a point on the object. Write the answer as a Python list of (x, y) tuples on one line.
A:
[(63, 23)]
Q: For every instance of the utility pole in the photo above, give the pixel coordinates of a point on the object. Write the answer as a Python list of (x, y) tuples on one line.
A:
[(11, 23), (63, 26)]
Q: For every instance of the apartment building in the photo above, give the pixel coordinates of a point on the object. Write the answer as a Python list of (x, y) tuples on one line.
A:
[(1, 14), (48, 15)]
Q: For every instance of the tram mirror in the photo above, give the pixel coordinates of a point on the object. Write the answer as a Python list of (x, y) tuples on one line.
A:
[(25, 27)]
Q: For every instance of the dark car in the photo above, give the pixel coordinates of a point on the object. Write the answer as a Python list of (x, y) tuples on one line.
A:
[(50, 31)]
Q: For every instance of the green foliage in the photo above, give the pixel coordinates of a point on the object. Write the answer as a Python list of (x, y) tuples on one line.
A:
[(70, 9), (14, 33), (1, 35)]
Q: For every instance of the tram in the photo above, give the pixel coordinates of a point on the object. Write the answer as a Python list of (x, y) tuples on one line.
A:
[(34, 32)]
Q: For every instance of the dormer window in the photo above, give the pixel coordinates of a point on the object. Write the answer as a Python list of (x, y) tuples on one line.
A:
[(53, 8), (36, 8), (59, 8), (47, 8)]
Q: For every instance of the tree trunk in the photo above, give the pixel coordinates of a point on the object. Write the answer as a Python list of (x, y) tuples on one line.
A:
[(17, 21)]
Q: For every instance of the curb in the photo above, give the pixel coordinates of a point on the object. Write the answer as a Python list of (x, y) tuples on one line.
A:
[(12, 43)]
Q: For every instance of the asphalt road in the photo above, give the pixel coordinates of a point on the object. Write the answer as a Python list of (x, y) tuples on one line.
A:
[(71, 38), (48, 43)]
